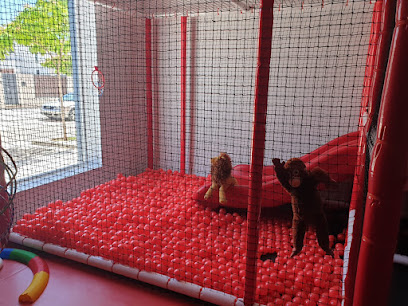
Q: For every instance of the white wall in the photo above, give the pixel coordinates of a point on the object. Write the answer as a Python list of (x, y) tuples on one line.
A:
[(220, 76), (26, 93), (316, 81), (316, 76)]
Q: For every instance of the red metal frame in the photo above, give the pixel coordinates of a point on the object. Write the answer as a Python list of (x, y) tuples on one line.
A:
[(258, 146), (149, 94), (387, 175), (381, 35), (183, 94)]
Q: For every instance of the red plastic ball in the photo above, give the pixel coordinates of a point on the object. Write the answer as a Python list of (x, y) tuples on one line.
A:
[(323, 301), (280, 287), (335, 292)]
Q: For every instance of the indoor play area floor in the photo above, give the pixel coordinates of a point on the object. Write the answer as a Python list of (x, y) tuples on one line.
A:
[(73, 283)]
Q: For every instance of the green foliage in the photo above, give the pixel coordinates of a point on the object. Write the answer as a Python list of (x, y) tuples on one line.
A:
[(65, 66), (44, 29), (6, 43)]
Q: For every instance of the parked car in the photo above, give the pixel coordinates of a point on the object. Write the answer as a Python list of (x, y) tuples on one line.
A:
[(53, 109)]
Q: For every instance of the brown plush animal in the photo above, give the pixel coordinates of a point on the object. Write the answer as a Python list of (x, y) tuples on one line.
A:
[(220, 177), (307, 204)]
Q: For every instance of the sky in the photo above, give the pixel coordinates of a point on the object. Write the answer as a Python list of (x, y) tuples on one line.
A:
[(9, 9)]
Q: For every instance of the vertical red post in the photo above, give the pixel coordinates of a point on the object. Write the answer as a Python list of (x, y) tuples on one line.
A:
[(183, 94), (387, 176), (258, 146), (149, 94), (380, 41)]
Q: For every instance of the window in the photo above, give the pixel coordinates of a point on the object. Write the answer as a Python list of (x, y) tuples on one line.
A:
[(45, 147)]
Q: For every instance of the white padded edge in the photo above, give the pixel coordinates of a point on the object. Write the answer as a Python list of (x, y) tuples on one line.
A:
[(100, 263), (54, 249), (217, 297), (154, 279), (351, 219), (125, 271), (77, 256), (189, 289), (16, 238), (33, 243)]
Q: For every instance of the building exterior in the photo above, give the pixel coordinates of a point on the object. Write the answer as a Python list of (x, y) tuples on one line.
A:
[(25, 83)]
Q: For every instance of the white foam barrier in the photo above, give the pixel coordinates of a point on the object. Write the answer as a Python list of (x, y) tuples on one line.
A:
[(100, 263), (240, 302), (189, 289), (33, 243), (77, 256), (16, 238), (154, 279), (54, 249), (217, 297), (126, 271)]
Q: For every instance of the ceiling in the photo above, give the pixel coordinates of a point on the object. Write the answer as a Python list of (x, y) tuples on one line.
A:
[(171, 7), (185, 7)]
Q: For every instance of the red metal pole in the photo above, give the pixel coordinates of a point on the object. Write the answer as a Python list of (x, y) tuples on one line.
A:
[(387, 175), (381, 31), (258, 146), (149, 94), (183, 94)]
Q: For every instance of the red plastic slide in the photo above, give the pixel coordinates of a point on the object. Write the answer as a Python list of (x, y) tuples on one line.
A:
[(338, 157)]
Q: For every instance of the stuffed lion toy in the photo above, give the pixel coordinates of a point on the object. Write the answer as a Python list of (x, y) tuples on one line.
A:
[(220, 177)]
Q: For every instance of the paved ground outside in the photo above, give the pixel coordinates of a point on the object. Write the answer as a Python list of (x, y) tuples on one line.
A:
[(35, 141)]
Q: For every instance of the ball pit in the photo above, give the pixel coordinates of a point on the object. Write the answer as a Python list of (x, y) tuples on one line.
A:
[(151, 222)]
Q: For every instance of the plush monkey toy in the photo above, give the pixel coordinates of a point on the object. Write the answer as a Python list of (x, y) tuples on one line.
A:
[(307, 204), (220, 177)]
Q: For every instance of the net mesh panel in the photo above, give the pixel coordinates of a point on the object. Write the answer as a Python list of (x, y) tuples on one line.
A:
[(88, 188)]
